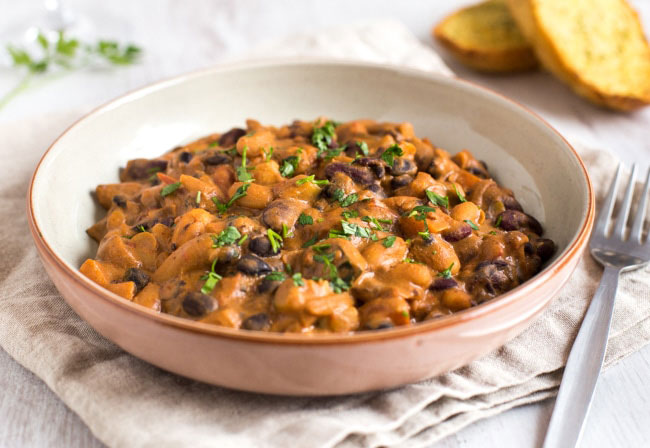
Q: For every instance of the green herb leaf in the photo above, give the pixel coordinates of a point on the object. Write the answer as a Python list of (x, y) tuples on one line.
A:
[(312, 180), (268, 154), (493, 232), (240, 193), (297, 279), (471, 224), (305, 220), (198, 197), (498, 223), (211, 279), (226, 237), (436, 199), (461, 198), (363, 146), (447, 272), (349, 200), (117, 54), (389, 241), (322, 136), (276, 276), (242, 239), (352, 229), (289, 166), (347, 214), (169, 189), (374, 221), (275, 239), (242, 171), (310, 242), (391, 152)]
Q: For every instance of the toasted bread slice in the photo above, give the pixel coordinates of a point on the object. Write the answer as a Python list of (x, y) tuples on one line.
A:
[(595, 46), (485, 37)]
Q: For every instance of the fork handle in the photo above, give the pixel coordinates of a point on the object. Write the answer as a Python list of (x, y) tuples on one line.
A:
[(583, 367)]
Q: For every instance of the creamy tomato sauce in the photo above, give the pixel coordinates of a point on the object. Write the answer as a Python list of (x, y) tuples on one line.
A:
[(312, 227)]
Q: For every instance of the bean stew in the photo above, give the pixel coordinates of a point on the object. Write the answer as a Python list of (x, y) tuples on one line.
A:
[(312, 227)]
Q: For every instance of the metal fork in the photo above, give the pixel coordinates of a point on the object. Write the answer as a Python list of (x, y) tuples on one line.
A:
[(616, 254)]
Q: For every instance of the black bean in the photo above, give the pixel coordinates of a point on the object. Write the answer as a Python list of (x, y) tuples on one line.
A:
[(376, 188), (267, 285), (529, 249), (516, 220), (144, 168), (185, 157), (510, 203), (252, 265), (228, 254), (217, 159), (120, 201), (441, 284), (377, 166), (400, 181), (360, 175), (402, 166), (258, 322), (230, 138), (544, 248), (137, 276), (457, 233), (477, 172), (260, 245), (197, 304)]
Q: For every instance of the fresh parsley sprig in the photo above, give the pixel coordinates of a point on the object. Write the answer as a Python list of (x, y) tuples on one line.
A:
[(240, 193), (211, 279)]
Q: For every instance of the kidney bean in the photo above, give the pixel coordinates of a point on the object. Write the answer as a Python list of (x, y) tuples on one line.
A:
[(137, 276), (218, 159), (516, 220), (139, 169), (360, 175), (252, 265), (510, 203), (230, 138), (457, 233), (490, 275), (402, 166), (185, 157), (401, 181), (377, 166), (544, 248), (441, 284), (197, 304), (257, 322), (261, 246)]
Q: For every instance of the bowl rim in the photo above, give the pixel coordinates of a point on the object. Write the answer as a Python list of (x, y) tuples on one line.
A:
[(574, 249)]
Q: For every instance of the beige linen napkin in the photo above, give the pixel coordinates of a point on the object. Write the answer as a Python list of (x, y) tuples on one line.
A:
[(129, 403)]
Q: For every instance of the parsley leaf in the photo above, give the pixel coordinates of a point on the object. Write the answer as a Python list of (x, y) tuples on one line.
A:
[(461, 198), (349, 200), (242, 171), (347, 214), (322, 136), (498, 223), (352, 229), (436, 199), (389, 241), (268, 154), (393, 150), (311, 179), (211, 279), (198, 197), (310, 242), (275, 239), (169, 189), (297, 279), (240, 193), (289, 166), (374, 221), (447, 272), (305, 220), (276, 276), (363, 146), (471, 224), (226, 237), (420, 212)]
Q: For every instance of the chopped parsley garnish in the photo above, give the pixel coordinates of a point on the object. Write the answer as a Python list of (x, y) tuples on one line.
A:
[(347, 214), (268, 154), (335, 233), (242, 239), (275, 239), (321, 247), (352, 229), (363, 146), (447, 272), (285, 232), (349, 200), (411, 261), (374, 221), (322, 136), (389, 155), (211, 279), (405, 313), (312, 180), (276, 276), (436, 199), (419, 212), (141, 228), (389, 241), (461, 198), (333, 152), (471, 224), (227, 236), (310, 242), (297, 279), (498, 223), (198, 197), (289, 166), (337, 284), (240, 193), (426, 234), (242, 171), (169, 189), (493, 232), (305, 220)]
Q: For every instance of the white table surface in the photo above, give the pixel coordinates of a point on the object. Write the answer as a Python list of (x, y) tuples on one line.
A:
[(181, 36)]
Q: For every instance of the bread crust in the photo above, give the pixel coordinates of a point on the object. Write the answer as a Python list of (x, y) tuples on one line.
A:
[(549, 51)]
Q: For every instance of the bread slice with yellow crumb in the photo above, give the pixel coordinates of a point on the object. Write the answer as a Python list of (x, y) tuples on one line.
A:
[(485, 37), (596, 46)]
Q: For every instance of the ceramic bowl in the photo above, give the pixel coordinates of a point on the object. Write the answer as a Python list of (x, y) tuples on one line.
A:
[(523, 153)]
